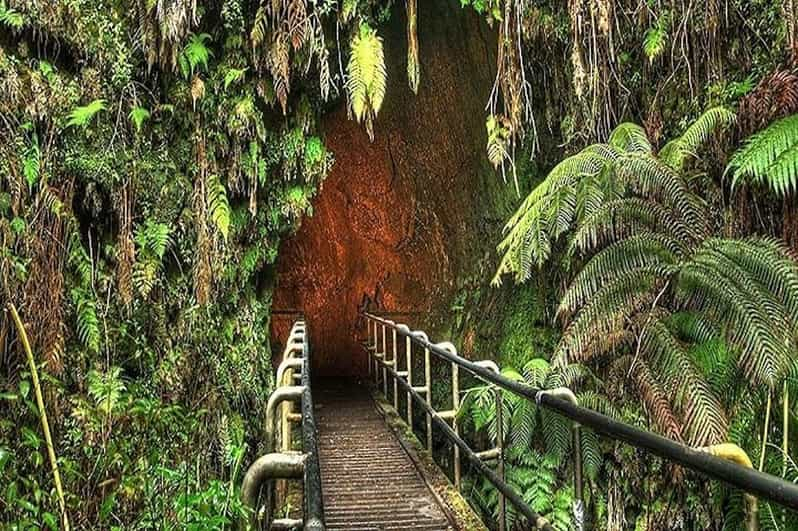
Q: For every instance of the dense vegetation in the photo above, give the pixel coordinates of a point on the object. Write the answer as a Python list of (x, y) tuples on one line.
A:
[(153, 155)]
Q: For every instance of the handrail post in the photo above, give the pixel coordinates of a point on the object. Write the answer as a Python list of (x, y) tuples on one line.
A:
[(735, 454), (455, 424), (500, 464), (409, 358), (564, 393), (384, 360), (395, 368), (368, 343), (428, 385)]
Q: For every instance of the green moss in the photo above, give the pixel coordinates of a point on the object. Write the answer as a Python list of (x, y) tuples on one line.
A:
[(524, 332)]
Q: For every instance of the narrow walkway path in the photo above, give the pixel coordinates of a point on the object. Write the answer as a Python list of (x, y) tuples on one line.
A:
[(368, 480)]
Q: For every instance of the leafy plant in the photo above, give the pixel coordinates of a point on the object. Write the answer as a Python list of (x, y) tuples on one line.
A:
[(11, 18), (218, 206), (233, 75), (655, 41), (88, 324), (769, 158), (580, 187), (366, 76), (106, 388), (152, 239), (81, 116), (195, 54), (138, 115)]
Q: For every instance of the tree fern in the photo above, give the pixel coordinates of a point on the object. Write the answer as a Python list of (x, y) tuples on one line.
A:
[(366, 80), (579, 187), (679, 150), (769, 158)]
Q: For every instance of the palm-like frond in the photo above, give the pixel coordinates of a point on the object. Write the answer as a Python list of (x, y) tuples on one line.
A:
[(608, 311), (769, 158), (677, 151), (366, 80), (621, 218), (651, 178), (547, 212), (81, 116), (630, 137), (719, 283), (704, 420), (642, 250)]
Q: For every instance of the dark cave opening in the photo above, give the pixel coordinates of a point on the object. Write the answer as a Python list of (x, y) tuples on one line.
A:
[(399, 218)]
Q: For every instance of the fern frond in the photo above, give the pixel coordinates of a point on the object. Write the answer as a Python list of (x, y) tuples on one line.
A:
[(81, 116), (138, 115), (218, 205), (195, 54), (652, 179), (630, 137), (607, 312), (87, 322), (703, 416), (621, 218), (677, 151), (106, 389), (715, 284), (11, 17), (366, 81), (655, 42), (656, 400), (643, 250), (769, 157), (540, 218)]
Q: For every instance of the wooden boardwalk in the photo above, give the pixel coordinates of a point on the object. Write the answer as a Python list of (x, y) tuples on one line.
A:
[(368, 480)]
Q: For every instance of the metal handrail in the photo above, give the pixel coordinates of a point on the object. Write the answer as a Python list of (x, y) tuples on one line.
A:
[(441, 418), (314, 502), (285, 464), (746, 479)]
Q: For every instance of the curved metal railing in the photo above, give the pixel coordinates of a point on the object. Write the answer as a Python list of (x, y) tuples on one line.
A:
[(285, 464), (725, 462)]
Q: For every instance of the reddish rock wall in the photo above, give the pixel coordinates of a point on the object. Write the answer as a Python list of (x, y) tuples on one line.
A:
[(397, 219)]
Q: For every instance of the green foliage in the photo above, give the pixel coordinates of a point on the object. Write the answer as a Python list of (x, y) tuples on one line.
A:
[(233, 75), (11, 18), (138, 115), (31, 161), (769, 158), (218, 205), (82, 116), (87, 322), (579, 189), (679, 150), (655, 41), (106, 388), (195, 55), (152, 240), (366, 80), (498, 141)]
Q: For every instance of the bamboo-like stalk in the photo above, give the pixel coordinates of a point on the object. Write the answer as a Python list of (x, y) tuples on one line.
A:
[(785, 419), (23, 337), (765, 434)]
